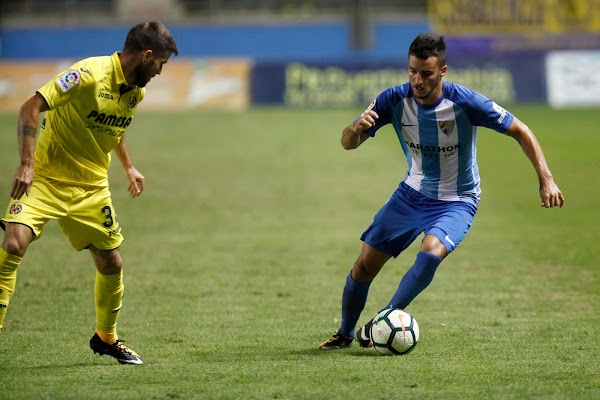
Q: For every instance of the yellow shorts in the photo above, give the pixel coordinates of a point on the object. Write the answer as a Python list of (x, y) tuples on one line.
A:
[(85, 215)]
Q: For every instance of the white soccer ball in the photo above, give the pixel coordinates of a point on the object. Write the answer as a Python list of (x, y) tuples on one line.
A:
[(394, 332)]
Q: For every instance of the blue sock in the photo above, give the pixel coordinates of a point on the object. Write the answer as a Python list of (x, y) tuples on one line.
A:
[(353, 302), (415, 280)]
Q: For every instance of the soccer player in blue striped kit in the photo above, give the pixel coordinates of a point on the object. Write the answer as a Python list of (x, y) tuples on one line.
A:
[(436, 123)]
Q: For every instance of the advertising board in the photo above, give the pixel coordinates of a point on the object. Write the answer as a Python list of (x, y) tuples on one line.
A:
[(183, 84), (339, 85), (571, 78)]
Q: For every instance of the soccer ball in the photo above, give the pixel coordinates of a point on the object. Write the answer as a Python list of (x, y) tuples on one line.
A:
[(394, 332)]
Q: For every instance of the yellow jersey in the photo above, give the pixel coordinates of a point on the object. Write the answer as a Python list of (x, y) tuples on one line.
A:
[(91, 106)]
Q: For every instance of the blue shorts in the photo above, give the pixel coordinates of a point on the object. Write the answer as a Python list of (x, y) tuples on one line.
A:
[(409, 213)]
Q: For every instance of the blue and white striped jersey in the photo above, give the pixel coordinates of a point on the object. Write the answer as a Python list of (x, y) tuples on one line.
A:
[(439, 140)]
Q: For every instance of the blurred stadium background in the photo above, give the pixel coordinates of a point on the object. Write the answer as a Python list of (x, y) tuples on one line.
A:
[(237, 54), (243, 209)]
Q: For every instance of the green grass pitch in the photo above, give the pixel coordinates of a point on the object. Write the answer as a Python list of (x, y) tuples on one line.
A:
[(236, 254)]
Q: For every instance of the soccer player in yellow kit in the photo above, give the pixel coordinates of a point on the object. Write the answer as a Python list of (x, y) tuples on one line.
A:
[(65, 176)]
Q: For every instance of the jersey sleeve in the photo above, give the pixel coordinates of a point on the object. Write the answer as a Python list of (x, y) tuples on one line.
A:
[(66, 86), (485, 112), (383, 105), (141, 94)]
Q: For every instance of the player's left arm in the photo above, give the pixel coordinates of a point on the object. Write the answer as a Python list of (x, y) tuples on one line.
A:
[(550, 194), (135, 179)]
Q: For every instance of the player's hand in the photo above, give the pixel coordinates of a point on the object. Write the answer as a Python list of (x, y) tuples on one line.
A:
[(365, 121), (22, 182), (551, 195), (136, 182)]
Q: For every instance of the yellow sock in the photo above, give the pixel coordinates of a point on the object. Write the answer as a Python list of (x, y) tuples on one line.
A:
[(8, 280), (107, 337), (108, 294)]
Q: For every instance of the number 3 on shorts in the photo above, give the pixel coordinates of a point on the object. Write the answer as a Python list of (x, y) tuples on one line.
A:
[(106, 210)]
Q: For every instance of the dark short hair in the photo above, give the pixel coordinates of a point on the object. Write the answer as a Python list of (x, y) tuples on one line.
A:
[(150, 36), (428, 45)]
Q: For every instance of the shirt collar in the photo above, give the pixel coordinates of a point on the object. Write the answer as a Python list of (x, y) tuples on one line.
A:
[(118, 68)]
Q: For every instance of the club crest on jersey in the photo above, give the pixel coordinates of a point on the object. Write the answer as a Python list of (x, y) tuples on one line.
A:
[(132, 102), (68, 80), (446, 126), (15, 209)]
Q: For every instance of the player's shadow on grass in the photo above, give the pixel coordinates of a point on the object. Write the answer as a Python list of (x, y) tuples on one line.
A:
[(57, 367), (351, 352)]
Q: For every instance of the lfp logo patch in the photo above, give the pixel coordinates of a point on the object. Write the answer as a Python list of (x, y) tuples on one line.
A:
[(68, 80), (15, 209)]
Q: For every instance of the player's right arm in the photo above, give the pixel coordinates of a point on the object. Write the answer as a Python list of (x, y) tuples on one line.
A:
[(29, 115), (377, 114), (354, 134)]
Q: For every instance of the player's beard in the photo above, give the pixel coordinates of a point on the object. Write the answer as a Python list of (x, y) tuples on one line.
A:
[(143, 74), (433, 89)]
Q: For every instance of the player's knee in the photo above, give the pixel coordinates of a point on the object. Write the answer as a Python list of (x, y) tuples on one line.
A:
[(14, 246), (109, 269), (363, 272), (108, 262), (369, 263), (17, 239), (116, 265), (433, 245), (110, 266)]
